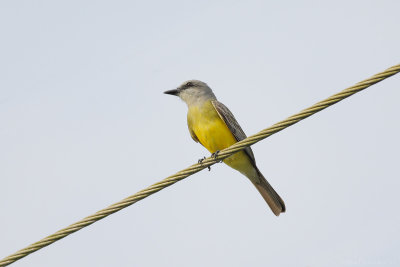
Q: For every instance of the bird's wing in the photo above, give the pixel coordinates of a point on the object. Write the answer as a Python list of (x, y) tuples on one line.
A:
[(230, 121)]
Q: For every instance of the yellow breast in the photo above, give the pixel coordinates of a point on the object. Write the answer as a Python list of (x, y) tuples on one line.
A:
[(209, 128), (214, 134)]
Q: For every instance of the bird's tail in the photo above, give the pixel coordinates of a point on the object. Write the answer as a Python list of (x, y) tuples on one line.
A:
[(272, 198)]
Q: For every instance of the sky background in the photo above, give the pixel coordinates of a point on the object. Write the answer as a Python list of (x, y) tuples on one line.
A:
[(84, 124)]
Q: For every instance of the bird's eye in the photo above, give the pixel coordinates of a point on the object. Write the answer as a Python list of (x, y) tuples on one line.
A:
[(189, 84)]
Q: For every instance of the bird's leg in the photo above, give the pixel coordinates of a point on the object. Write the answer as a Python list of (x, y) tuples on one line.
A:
[(200, 161), (215, 154)]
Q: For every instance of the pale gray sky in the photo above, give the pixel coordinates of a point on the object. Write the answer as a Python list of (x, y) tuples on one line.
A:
[(84, 123)]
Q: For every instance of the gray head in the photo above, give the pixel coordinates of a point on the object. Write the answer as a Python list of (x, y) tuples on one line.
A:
[(193, 92)]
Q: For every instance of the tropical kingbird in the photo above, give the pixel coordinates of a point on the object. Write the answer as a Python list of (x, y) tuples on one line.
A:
[(213, 125)]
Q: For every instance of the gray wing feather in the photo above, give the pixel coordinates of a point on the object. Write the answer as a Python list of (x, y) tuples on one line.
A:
[(230, 121)]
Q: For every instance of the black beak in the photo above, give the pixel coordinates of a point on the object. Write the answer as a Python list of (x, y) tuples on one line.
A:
[(172, 92)]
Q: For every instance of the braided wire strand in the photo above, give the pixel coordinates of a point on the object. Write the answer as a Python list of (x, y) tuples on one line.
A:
[(199, 166)]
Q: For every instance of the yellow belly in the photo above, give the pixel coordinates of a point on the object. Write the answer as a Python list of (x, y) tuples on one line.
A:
[(213, 134)]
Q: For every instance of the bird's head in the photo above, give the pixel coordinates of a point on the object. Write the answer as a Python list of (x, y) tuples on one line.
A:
[(192, 92)]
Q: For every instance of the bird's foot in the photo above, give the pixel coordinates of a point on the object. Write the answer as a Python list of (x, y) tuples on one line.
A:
[(215, 155), (200, 161)]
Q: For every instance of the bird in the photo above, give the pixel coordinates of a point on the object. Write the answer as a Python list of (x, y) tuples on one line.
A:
[(213, 125)]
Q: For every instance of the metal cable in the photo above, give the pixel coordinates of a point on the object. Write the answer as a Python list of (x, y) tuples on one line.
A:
[(198, 167)]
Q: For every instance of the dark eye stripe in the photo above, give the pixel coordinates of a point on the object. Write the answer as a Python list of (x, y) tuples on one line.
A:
[(187, 85)]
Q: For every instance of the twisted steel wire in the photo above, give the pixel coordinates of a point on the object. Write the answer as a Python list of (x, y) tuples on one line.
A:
[(198, 167)]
